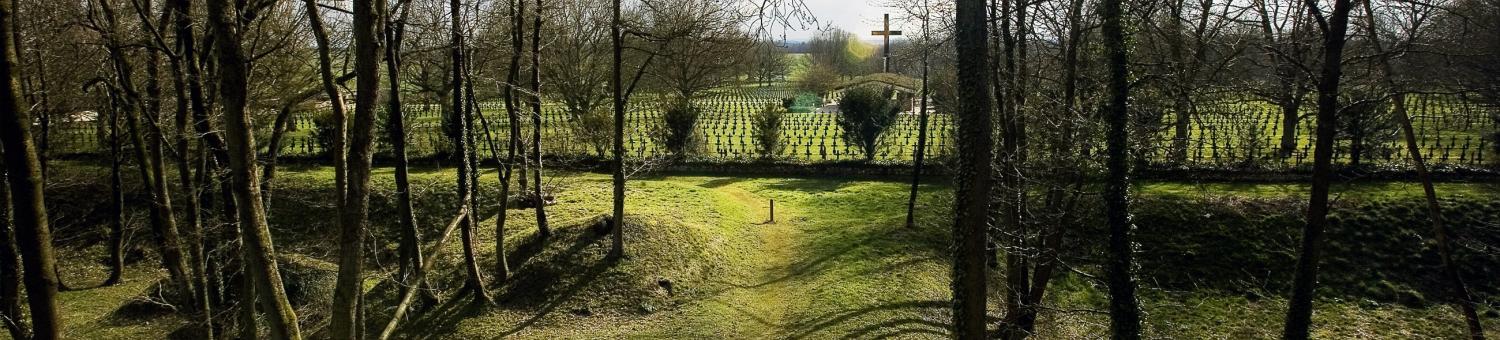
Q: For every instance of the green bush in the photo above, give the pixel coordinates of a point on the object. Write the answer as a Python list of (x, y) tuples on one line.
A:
[(596, 127), (323, 132), (677, 130), (767, 129), (865, 114)]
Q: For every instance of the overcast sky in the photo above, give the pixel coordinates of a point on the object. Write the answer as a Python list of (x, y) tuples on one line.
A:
[(858, 16)]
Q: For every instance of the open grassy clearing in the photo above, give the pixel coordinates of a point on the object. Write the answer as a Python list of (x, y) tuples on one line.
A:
[(837, 263)]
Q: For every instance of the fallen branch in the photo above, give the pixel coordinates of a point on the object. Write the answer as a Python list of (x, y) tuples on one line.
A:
[(411, 289)]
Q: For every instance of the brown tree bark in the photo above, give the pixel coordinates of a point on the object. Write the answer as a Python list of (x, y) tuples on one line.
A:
[(33, 235), (1461, 295), (409, 248), (176, 14), (1335, 28), (617, 222), (258, 250), (513, 138), (348, 291), (147, 152), (536, 121), (116, 195)]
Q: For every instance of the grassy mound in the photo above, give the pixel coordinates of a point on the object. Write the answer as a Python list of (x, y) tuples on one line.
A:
[(1379, 248)]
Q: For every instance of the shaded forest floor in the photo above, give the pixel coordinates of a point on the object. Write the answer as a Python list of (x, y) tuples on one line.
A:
[(706, 262)]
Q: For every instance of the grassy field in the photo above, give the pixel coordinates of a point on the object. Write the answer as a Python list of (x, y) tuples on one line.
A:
[(836, 263)]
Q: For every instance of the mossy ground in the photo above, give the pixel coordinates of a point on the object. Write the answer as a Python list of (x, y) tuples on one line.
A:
[(838, 262)]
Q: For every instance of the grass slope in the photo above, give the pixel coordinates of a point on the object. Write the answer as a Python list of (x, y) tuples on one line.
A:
[(837, 263)]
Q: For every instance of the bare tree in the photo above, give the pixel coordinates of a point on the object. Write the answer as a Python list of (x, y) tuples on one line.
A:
[(536, 121), (1450, 271), (1334, 26), (258, 250), (24, 176), (409, 248), (474, 284), (617, 221), (348, 294), (148, 153)]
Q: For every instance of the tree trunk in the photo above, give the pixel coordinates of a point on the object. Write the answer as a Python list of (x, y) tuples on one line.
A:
[(921, 151), (536, 120), (475, 282), (1460, 291), (257, 249), (348, 292), (10, 267), (1124, 310), (972, 185), (24, 174), (177, 12), (339, 154), (1335, 27), (513, 138), (1289, 120), (617, 222), (117, 196), (148, 156), (410, 243)]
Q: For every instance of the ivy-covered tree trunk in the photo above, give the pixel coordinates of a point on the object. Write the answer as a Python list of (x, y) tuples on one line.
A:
[(1124, 309), (474, 284), (972, 183)]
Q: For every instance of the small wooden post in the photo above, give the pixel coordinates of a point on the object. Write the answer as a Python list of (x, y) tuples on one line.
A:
[(773, 211)]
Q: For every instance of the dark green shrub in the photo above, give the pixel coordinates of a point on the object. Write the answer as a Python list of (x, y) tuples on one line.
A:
[(767, 129), (323, 132), (676, 132), (865, 114)]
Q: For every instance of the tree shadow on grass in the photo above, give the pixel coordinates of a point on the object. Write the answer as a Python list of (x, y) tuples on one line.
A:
[(808, 185), (897, 326), (443, 318), (536, 279), (722, 182)]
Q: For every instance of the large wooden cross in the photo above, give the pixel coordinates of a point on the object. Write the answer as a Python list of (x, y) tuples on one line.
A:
[(886, 50)]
